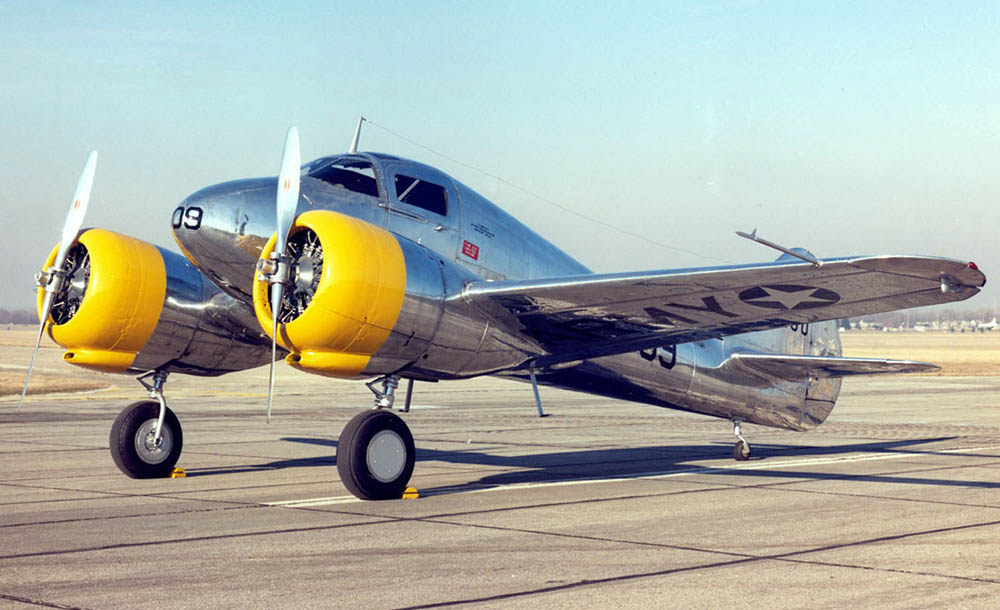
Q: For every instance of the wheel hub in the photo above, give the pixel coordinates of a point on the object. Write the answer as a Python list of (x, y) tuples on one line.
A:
[(146, 446), (386, 456)]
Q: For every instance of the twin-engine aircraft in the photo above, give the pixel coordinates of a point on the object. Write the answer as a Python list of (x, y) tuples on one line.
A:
[(369, 266)]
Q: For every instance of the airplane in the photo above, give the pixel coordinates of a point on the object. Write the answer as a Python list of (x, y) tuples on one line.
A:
[(387, 269)]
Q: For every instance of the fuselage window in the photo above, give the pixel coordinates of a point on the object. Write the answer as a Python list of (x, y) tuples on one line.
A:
[(355, 176), (427, 195)]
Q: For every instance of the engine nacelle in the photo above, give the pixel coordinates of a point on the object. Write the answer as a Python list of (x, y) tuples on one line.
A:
[(362, 301), (348, 280), (129, 306)]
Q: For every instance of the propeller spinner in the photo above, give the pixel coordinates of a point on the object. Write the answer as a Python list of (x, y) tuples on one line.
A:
[(52, 278)]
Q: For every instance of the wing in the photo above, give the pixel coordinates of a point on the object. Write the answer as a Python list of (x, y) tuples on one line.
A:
[(795, 368), (598, 315)]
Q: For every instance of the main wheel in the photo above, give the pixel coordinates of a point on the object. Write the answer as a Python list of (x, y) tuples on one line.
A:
[(741, 451), (375, 455), (133, 441)]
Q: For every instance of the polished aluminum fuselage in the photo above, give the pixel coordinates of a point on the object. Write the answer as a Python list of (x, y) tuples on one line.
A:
[(223, 229)]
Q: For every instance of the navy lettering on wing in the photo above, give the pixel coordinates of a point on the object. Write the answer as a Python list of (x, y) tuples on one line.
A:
[(664, 317), (711, 305)]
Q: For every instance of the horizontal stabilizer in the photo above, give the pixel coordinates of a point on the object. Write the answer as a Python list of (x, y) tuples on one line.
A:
[(798, 367)]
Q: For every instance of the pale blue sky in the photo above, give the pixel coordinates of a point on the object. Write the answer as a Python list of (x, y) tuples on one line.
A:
[(847, 128)]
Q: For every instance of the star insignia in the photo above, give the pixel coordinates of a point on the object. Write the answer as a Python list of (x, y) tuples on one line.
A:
[(789, 297)]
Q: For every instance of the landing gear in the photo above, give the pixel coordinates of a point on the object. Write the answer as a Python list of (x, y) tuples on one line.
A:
[(375, 455), (135, 447), (146, 437), (741, 450)]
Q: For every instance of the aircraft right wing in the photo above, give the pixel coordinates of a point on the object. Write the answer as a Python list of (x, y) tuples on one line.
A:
[(589, 316)]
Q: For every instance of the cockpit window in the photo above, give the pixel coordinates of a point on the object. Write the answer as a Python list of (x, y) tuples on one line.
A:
[(352, 174), (427, 195)]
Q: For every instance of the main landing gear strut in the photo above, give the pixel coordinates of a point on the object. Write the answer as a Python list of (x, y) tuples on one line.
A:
[(375, 452), (146, 437)]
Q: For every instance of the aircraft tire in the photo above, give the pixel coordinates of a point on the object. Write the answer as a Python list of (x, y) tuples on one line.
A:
[(741, 451), (375, 455), (131, 441)]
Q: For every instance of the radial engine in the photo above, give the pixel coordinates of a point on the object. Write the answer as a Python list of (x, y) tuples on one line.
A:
[(128, 306)]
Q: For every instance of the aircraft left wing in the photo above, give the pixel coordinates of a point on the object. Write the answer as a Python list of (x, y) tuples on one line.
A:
[(588, 316)]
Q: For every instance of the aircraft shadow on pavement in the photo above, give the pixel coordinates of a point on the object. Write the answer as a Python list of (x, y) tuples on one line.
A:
[(626, 463), (635, 462)]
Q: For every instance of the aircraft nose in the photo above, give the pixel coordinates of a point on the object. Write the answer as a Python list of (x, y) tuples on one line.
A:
[(222, 229)]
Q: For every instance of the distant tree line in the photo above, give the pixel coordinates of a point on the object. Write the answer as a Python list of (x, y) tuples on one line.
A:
[(927, 315), (18, 316)]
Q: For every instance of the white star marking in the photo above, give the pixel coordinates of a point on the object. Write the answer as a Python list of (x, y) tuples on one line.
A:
[(790, 300)]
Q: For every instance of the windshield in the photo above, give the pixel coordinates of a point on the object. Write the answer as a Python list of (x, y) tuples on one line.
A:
[(352, 174)]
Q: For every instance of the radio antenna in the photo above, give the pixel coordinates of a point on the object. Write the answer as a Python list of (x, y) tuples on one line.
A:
[(357, 136), (812, 260)]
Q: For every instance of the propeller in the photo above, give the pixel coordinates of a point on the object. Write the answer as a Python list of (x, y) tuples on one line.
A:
[(52, 278), (286, 202)]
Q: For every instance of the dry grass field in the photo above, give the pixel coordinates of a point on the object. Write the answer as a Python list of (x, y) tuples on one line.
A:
[(46, 383), (976, 354), (956, 353), (49, 377)]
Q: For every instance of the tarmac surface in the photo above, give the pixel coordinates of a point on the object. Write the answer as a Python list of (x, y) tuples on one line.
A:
[(893, 503)]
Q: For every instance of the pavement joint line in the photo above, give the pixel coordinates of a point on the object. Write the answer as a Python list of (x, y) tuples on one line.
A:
[(787, 556), (176, 495), (132, 516), (162, 542), (738, 559), (37, 602)]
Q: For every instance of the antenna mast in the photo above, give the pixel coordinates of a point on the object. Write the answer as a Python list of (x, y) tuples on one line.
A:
[(357, 136)]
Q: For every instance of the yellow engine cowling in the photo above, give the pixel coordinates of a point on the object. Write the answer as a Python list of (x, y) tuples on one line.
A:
[(124, 299), (356, 302)]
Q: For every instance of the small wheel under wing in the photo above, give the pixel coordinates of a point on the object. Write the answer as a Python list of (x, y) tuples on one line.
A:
[(133, 444), (375, 455)]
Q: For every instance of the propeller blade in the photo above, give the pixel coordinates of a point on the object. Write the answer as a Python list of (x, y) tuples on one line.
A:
[(288, 188), (71, 227), (276, 294), (286, 202), (77, 210), (46, 307)]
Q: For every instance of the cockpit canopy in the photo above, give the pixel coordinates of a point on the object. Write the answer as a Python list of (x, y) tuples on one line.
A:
[(355, 174), (409, 182)]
